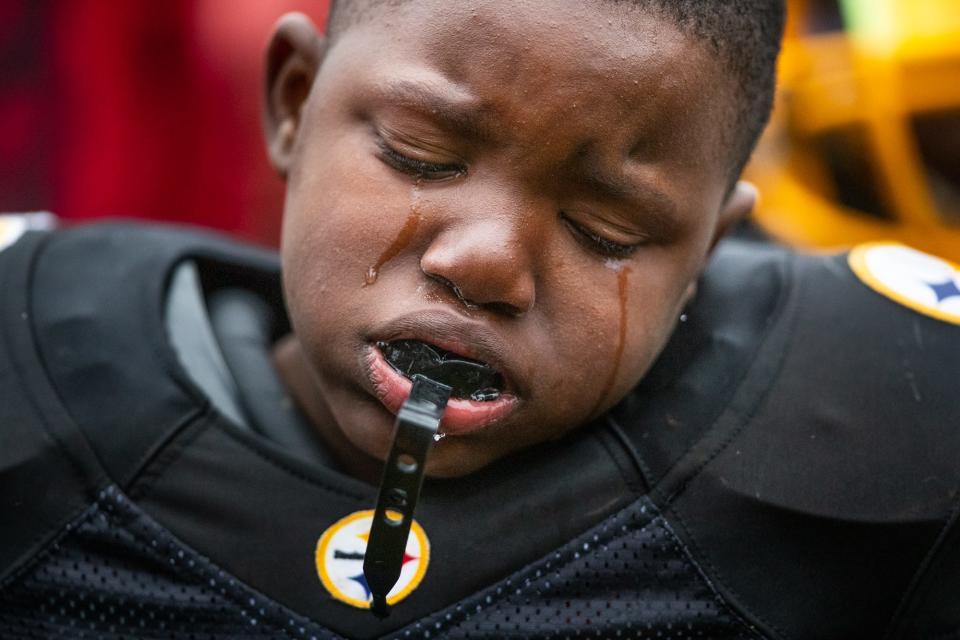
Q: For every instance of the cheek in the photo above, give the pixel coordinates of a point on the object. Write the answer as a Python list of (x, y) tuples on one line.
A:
[(339, 216), (616, 328), (315, 269), (651, 308)]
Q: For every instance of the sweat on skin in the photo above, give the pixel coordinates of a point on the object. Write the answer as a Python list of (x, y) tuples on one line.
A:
[(533, 187)]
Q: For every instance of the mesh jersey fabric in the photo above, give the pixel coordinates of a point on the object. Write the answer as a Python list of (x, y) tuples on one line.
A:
[(630, 577), (115, 573), (90, 394)]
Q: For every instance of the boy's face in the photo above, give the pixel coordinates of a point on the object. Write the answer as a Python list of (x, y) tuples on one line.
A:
[(536, 185)]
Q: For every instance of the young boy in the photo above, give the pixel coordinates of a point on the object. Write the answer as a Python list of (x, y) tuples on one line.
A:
[(645, 446)]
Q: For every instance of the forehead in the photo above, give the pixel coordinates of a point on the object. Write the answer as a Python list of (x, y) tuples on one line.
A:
[(562, 44), (570, 72)]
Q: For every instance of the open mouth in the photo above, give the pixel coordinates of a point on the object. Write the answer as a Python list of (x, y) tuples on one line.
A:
[(467, 378)]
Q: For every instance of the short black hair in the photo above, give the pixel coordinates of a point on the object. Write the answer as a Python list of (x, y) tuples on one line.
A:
[(744, 34)]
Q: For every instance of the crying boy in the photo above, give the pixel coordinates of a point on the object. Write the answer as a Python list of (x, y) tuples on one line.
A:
[(649, 434)]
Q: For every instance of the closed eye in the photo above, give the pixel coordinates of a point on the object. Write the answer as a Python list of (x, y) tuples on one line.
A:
[(597, 243), (420, 169)]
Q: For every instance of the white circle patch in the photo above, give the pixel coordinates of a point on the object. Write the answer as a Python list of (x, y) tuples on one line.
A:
[(14, 225), (11, 228), (925, 283), (339, 560)]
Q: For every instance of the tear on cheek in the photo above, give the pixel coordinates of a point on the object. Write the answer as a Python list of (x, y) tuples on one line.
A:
[(623, 281), (399, 243), (615, 264)]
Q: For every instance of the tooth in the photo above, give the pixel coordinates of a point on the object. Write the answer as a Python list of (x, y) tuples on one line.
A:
[(487, 394)]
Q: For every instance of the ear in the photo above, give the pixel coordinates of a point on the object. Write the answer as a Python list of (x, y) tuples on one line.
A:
[(738, 205), (293, 58)]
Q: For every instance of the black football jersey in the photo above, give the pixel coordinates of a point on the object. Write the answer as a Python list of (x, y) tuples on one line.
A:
[(789, 468)]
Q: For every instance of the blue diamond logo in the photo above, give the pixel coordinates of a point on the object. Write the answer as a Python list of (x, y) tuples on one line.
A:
[(945, 290)]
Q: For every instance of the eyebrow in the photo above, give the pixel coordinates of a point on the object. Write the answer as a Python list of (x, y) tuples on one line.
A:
[(659, 209), (457, 110), (451, 107)]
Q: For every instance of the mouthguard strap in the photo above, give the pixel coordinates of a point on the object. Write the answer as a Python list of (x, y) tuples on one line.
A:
[(417, 423)]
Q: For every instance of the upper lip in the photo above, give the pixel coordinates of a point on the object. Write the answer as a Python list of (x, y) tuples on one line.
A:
[(447, 331)]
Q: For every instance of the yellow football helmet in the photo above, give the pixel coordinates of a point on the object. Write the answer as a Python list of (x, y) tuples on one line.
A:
[(864, 142)]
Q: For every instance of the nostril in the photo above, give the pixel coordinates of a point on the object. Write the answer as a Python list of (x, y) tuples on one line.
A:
[(482, 272), (502, 308), (449, 284), (499, 308)]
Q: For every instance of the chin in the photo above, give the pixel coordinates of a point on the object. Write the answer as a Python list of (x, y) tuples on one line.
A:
[(455, 460)]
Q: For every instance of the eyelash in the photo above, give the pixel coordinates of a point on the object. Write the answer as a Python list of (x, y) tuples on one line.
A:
[(597, 243), (419, 168), (422, 170)]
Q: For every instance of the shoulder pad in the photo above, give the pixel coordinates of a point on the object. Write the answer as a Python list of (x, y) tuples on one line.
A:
[(922, 282)]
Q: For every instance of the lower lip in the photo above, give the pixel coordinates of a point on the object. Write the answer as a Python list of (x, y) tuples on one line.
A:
[(461, 416)]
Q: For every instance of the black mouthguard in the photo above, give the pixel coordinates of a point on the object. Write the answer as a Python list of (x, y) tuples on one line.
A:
[(466, 378), (417, 423)]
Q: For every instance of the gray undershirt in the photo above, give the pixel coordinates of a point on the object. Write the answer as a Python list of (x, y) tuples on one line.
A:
[(191, 335)]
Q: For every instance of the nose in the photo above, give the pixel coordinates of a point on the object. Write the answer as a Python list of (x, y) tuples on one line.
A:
[(487, 263)]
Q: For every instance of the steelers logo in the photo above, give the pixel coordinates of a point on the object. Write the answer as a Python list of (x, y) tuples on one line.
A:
[(339, 559), (916, 280)]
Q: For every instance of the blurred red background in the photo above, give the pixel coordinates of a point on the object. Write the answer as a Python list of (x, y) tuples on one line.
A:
[(145, 109)]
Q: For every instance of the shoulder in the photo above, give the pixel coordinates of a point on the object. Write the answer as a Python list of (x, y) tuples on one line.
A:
[(863, 385), (882, 323), (839, 445), (43, 242), (88, 382), (88, 269), (142, 243), (885, 281), (880, 327)]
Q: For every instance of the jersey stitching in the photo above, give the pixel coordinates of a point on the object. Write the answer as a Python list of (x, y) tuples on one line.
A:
[(206, 420), (735, 433), (736, 597), (33, 559), (629, 476), (63, 531), (140, 537), (743, 420), (501, 591), (168, 441), (166, 454), (646, 476), (74, 465), (781, 307), (726, 605), (461, 613), (162, 355), (89, 511), (914, 587), (281, 465)]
